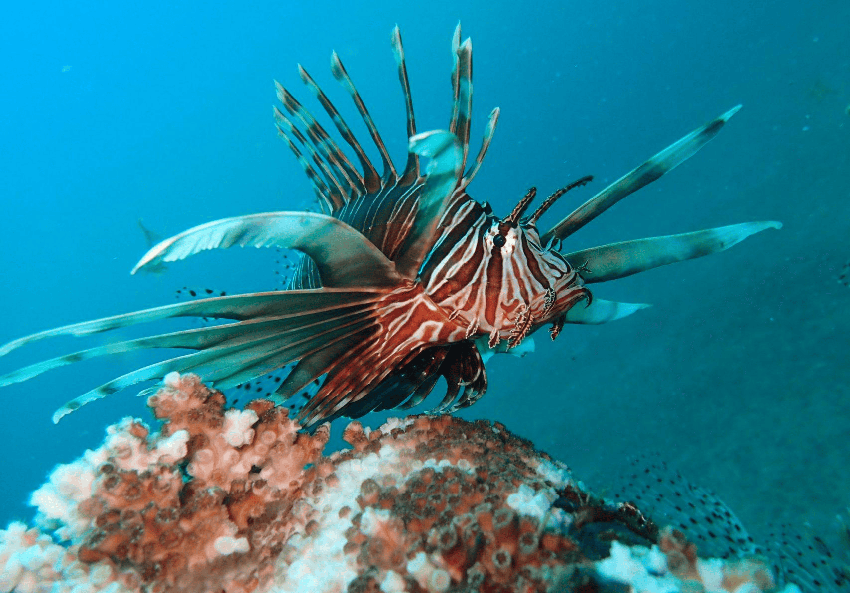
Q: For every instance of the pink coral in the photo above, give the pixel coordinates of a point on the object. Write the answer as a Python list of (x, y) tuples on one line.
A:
[(226, 520), (452, 520), (241, 500)]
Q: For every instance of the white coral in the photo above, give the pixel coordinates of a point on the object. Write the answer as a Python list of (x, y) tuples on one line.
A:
[(237, 427)]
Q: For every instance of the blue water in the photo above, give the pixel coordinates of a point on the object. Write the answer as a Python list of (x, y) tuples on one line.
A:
[(739, 373)]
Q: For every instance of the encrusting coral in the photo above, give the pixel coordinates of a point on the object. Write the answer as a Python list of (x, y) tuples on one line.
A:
[(239, 501)]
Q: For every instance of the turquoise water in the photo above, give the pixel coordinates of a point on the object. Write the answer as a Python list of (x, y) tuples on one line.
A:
[(738, 375)]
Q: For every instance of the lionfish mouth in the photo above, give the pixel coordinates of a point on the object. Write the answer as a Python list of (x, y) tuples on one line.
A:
[(394, 288)]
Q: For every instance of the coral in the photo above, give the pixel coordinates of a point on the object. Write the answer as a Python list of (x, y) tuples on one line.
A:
[(241, 501), (204, 504), (673, 565), (432, 503)]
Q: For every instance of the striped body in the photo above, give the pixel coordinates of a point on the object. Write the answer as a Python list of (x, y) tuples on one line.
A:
[(405, 280), (502, 291)]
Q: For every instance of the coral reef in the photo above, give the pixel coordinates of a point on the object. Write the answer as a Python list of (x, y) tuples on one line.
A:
[(239, 501)]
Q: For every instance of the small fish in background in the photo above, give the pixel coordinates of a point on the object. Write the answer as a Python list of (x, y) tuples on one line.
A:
[(844, 528), (265, 387), (844, 275), (667, 498)]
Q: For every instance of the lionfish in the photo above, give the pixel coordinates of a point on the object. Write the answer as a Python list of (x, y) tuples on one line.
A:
[(405, 279)]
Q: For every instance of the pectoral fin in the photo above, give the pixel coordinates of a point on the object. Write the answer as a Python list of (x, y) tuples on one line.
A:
[(618, 260), (343, 256)]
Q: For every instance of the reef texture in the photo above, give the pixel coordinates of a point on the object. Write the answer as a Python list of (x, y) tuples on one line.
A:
[(240, 501)]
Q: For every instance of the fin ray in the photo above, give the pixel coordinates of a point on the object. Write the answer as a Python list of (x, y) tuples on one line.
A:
[(489, 130), (236, 307), (618, 260), (389, 176), (343, 172), (649, 171), (335, 192), (370, 179), (411, 168)]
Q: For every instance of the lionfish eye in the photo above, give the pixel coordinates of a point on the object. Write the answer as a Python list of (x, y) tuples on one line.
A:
[(499, 241)]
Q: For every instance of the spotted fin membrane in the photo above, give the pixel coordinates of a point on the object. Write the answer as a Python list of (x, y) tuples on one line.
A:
[(266, 386), (666, 498), (262, 387)]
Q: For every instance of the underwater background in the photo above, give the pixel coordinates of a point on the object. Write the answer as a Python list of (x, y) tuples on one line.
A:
[(737, 376)]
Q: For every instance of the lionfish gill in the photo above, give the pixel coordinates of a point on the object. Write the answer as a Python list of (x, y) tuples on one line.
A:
[(406, 279)]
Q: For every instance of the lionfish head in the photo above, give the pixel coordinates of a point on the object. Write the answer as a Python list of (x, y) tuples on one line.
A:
[(503, 233), (549, 284)]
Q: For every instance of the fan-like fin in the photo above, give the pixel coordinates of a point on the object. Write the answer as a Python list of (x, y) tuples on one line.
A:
[(337, 191), (310, 368), (230, 364), (344, 172), (331, 190), (231, 354), (475, 384), (308, 322), (464, 99), (389, 176), (343, 256), (411, 169), (420, 393), (198, 339), (288, 348), (323, 192), (237, 308), (370, 179), (180, 364), (655, 167), (452, 392), (409, 322), (488, 138), (455, 79), (443, 174), (326, 402), (601, 311), (466, 378), (409, 385), (424, 390), (618, 260)]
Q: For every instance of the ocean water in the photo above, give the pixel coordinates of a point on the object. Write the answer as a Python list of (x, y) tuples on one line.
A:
[(739, 375)]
